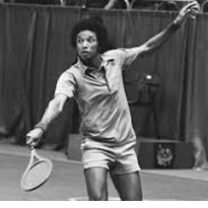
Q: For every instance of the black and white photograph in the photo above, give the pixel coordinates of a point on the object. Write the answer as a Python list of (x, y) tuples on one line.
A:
[(103, 100)]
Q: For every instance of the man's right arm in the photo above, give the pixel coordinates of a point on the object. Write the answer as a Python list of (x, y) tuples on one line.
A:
[(55, 107)]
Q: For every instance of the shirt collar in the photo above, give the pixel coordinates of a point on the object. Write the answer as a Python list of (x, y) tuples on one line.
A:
[(104, 63)]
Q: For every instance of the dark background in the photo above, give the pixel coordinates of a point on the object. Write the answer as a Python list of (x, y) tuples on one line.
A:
[(35, 49)]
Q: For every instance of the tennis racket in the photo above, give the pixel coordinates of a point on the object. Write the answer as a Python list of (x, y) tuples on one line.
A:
[(37, 172)]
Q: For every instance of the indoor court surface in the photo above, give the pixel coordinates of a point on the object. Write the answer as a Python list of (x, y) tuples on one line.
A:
[(67, 180)]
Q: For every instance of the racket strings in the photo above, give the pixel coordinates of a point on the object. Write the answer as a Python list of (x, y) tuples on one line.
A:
[(37, 174)]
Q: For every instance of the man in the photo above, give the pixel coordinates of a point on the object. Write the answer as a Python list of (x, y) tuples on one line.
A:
[(95, 81)]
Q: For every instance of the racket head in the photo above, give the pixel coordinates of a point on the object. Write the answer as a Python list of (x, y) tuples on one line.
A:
[(36, 174)]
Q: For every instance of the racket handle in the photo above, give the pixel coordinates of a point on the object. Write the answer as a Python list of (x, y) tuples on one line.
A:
[(32, 147)]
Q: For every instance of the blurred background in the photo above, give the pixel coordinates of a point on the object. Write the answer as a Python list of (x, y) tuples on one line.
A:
[(167, 92)]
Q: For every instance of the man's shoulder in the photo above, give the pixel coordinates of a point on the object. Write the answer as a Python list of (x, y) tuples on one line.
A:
[(72, 69), (113, 52)]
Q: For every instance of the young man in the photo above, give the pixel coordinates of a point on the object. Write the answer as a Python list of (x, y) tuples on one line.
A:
[(95, 81)]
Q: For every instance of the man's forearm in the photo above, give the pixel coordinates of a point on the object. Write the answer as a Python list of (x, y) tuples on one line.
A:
[(161, 38), (52, 111)]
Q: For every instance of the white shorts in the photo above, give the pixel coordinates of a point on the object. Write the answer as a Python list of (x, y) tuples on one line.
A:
[(118, 160)]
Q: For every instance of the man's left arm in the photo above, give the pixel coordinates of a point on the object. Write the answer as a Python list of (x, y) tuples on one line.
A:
[(158, 40)]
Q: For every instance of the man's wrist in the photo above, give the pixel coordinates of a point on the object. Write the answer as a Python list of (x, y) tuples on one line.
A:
[(174, 26), (40, 126)]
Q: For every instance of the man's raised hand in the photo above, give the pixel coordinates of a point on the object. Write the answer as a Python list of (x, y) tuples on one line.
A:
[(191, 9)]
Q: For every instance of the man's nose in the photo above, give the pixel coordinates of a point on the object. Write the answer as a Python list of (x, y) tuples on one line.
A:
[(85, 44)]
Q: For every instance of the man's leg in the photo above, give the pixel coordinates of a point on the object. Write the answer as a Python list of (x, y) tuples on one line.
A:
[(96, 181), (128, 186)]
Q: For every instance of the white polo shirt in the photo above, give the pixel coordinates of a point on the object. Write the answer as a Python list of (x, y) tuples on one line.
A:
[(101, 97)]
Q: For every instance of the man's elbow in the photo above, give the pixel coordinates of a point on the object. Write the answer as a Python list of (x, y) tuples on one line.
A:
[(146, 51)]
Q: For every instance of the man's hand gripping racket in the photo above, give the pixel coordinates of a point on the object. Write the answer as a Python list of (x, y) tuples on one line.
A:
[(39, 168)]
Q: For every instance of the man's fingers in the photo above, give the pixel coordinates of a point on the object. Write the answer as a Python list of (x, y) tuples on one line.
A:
[(195, 8), (192, 9), (31, 141), (190, 6), (193, 12), (28, 140), (33, 144), (34, 136)]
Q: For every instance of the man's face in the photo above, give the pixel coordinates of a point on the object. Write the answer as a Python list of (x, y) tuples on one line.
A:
[(87, 45)]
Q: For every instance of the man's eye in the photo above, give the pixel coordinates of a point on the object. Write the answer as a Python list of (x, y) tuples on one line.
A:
[(91, 40), (79, 41)]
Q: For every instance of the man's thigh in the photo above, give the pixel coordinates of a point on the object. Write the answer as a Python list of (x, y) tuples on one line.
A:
[(128, 186), (96, 182)]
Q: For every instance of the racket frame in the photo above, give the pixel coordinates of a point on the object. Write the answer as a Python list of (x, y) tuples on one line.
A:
[(35, 158)]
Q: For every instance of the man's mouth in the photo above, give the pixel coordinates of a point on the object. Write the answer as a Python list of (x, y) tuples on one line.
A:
[(85, 53)]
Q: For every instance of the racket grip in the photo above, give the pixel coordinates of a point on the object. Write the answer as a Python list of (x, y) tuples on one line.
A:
[(31, 147)]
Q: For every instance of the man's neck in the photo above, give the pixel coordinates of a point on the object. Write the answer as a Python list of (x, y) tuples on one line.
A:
[(95, 63)]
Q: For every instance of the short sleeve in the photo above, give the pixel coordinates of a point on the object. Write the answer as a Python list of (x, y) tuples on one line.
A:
[(128, 55), (66, 84)]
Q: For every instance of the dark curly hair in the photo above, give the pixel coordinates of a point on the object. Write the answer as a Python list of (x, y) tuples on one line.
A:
[(94, 24)]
